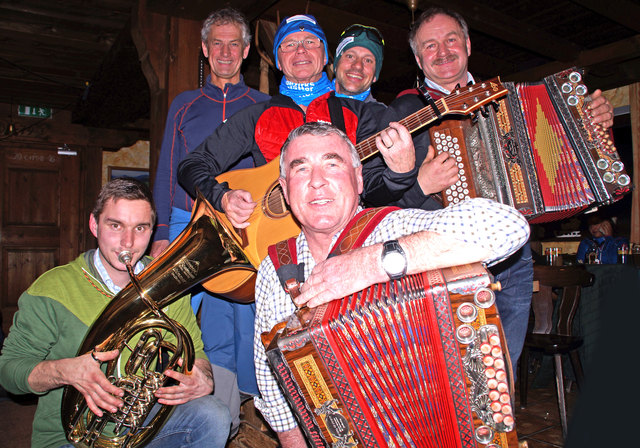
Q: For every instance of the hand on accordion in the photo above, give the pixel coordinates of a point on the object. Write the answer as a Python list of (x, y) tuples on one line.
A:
[(340, 276), (600, 110), (437, 172)]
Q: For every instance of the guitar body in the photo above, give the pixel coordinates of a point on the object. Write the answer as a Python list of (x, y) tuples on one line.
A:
[(270, 222)]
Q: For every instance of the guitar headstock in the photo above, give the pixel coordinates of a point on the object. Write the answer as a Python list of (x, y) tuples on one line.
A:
[(466, 100)]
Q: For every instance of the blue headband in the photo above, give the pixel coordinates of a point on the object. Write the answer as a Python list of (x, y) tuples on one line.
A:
[(293, 24)]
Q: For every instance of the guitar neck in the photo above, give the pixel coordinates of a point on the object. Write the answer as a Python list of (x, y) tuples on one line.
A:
[(367, 147)]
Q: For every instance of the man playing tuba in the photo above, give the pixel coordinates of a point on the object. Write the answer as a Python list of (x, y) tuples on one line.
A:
[(55, 313)]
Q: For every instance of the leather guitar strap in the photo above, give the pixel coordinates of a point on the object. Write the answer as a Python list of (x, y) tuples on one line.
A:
[(284, 254), (335, 112)]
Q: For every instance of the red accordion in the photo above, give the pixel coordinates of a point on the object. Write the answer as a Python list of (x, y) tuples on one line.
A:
[(538, 152), (419, 362)]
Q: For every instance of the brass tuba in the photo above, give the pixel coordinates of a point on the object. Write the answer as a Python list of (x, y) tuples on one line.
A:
[(134, 323)]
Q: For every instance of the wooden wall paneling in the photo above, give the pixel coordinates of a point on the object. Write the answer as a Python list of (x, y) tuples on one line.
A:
[(91, 179), (150, 32), (38, 218), (169, 49)]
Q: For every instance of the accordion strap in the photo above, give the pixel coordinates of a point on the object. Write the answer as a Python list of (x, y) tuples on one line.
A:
[(284, 253)]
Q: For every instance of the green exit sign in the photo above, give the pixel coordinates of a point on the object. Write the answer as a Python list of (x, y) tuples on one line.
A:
[(34, 111)]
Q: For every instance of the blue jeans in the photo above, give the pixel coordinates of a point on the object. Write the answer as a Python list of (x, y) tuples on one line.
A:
[(197, 423), (515, 274)]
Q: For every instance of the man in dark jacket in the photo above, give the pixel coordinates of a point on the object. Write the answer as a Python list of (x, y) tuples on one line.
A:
[(440, 42)]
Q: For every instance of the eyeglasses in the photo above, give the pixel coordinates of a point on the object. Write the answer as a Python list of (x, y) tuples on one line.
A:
[(309, 43), (357, 29)]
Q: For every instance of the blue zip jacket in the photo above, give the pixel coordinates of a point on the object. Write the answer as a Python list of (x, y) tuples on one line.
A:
[(192, 117)]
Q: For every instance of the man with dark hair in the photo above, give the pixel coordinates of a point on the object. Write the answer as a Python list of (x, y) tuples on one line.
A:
[(227, 328), (55, 313), (358, 61), (440, 42), (321, 177)]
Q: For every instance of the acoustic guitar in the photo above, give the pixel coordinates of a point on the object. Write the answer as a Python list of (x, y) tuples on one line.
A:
[(271, 221)]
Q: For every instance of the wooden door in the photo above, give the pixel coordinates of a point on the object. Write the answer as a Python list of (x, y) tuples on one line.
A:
[(39, 219)]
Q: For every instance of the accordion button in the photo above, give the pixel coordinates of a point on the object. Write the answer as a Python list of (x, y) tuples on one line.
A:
[(506, 409), (505, 398), (602, 164), (484, 434), (508, 422), (498, 417), (624, 180), (575, 77), (581, 90), (572, 100), (617, 166), (465, 334), (496, 406), (488, 360), (484, 298), (494, 384), (467, 312), (608, 177), (502, 387), (566, 87)]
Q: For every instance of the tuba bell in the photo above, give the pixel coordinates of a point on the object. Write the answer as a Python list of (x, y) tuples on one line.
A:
[(133, 322)]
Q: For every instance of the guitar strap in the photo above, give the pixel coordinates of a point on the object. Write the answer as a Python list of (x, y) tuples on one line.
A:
[(335, 112), (284, 253)]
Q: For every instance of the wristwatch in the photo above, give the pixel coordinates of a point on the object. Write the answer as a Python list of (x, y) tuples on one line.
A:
[(394, 260)]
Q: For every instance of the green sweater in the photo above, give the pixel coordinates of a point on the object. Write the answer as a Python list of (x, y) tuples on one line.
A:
[(54, 315)]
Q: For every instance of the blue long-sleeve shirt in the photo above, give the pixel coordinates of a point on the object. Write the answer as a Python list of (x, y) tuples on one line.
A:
[(193, 116)]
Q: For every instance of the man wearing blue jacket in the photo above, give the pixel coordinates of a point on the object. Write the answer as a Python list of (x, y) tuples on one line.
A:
[(227, 328)]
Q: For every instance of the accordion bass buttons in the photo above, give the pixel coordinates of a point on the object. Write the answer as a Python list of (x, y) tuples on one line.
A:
[(575, 77)]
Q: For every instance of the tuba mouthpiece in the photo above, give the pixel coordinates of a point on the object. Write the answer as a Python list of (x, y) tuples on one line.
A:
[(124, 257)]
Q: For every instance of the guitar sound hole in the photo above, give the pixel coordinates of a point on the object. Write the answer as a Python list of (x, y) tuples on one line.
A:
[(274, 204)]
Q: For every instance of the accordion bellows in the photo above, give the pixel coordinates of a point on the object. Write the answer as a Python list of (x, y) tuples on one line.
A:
[(537, 151), (418, 362)]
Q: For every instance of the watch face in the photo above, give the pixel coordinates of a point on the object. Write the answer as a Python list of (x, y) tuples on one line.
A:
[(394, 263)]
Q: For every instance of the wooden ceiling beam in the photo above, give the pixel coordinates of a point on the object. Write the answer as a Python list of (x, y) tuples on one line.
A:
[(621, 52), (624, 12), (504, 27), (96, 17), (48, 36)]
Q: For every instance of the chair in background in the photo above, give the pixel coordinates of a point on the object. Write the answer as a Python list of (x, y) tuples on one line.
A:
[(555, 340)]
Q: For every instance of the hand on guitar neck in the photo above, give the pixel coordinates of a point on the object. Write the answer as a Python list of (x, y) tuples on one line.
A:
[(238, 206), (396, 146)]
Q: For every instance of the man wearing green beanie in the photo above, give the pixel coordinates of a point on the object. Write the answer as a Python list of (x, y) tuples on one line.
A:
[(358, 62)]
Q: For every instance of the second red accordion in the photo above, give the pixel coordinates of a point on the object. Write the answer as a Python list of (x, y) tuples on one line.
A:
[(417, 362), (538, 152)]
